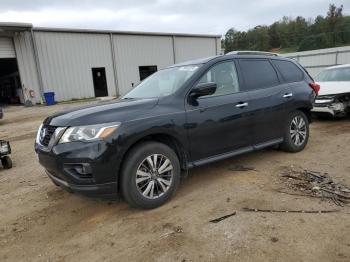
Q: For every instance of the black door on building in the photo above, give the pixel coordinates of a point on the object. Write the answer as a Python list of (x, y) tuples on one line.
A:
[(100, 82)]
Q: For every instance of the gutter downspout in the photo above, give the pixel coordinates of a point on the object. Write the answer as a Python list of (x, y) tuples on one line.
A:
[(114, 65), (174, 49), (37, 65)]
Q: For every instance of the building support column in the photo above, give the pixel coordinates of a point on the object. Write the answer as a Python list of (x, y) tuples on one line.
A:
[(174, 50), (336, 57), (37, 65), (114, 62)]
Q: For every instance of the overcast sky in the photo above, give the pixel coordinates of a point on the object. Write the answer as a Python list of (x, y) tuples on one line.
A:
[(187, 16)]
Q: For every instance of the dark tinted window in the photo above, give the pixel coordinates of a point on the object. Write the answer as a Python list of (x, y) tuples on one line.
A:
[(258, 74), (289, 71)]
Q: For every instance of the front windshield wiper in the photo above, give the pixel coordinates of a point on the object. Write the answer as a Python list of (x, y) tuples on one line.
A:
[(127, 98)]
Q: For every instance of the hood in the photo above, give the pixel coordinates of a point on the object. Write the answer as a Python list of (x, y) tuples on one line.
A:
[(333, 88), (115, 111)]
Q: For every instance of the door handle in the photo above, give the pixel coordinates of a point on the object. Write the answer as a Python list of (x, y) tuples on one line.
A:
[(287, 95), (241, 105)]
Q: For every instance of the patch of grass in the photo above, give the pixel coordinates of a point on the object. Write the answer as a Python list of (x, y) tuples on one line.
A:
[(286, 50)]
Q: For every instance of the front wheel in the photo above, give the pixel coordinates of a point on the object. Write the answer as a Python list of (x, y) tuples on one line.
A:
[(296, 133), (6, 162), (150, 175)]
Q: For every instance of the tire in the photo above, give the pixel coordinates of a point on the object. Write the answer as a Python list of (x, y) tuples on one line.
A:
[(6, 162), (137, 167), (290, 141)]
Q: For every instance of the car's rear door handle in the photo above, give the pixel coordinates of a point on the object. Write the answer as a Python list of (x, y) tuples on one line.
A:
[(287, 95), (241, 105)]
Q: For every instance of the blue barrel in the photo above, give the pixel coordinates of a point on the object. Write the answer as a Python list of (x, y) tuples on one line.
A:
[(49, 98)]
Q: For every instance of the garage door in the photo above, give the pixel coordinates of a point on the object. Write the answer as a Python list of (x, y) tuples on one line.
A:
[(7, 49)]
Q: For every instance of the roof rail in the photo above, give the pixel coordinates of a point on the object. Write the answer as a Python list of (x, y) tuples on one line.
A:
[(251, 53)]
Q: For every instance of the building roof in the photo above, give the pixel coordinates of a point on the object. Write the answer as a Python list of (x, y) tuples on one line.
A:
[(10, 26), (15, 25), (120, 32), (7, 28)]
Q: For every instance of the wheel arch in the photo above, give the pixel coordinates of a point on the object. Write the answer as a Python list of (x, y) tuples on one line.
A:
[(307, 112), (162, 137)]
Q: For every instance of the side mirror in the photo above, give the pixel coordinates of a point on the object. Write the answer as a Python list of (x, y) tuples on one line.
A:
[(204, 89)]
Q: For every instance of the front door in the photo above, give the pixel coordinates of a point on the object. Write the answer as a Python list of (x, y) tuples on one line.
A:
[(100, 83), (219, 123)]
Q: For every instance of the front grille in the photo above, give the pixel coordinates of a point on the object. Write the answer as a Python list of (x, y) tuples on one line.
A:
[(46, 133)]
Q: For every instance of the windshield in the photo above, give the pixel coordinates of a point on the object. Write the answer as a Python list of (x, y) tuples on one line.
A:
[(337, 74), (162, 83)]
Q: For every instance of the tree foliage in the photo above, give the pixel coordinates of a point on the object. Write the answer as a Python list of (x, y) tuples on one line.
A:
[(294, 33)]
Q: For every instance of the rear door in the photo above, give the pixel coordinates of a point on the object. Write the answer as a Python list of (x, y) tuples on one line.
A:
[(218, 123), (290, 73), (267, 100)]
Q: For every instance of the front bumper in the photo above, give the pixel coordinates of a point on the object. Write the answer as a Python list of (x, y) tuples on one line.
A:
[(86, 168), (90, 190)]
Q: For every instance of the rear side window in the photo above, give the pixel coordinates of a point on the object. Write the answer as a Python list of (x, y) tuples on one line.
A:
[(290, 72), (258, 74)]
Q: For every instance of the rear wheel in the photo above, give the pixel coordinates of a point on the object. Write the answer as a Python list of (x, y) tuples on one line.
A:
[(296, 132), (150, 175)]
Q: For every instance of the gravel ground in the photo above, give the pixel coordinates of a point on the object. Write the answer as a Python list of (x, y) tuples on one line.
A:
[(41, 222)]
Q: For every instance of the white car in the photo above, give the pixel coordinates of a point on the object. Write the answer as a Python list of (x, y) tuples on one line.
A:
[(334, 96)]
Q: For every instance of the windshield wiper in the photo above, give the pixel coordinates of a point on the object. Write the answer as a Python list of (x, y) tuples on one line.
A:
[(127, 98)]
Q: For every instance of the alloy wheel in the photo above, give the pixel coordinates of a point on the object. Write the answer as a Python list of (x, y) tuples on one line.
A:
[(154, 176), (298, 130)]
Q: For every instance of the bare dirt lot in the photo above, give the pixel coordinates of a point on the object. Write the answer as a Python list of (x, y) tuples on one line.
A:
[(41, 222)]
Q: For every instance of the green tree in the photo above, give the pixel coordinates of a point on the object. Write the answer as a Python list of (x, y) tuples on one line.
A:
[(258, 38), (299, 33), (334, 20), (274, 37)]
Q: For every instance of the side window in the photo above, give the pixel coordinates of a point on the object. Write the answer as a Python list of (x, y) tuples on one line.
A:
[(258, 74), (290, 72), (225, 76)]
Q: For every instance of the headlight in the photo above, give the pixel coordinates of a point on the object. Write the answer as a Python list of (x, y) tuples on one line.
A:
[(88, 133)]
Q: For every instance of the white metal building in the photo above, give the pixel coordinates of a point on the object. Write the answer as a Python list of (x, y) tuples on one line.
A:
[(79, 64), (315, 61)]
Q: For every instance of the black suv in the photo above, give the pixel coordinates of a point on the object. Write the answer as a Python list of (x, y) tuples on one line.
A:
[(181, 117)]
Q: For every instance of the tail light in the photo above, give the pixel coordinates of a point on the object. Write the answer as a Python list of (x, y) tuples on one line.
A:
[(316, 87)]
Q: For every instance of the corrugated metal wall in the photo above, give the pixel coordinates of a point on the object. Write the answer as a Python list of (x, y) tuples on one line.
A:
[(26, 64), (66, 60), (188, 48), (132, 51), (316, 60), (7, 49)]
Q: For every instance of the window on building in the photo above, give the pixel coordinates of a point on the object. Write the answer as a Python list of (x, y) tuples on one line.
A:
[(258, 74), (146, 71)]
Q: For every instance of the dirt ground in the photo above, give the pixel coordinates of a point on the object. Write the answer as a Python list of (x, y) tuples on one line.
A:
[(41, 222)]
